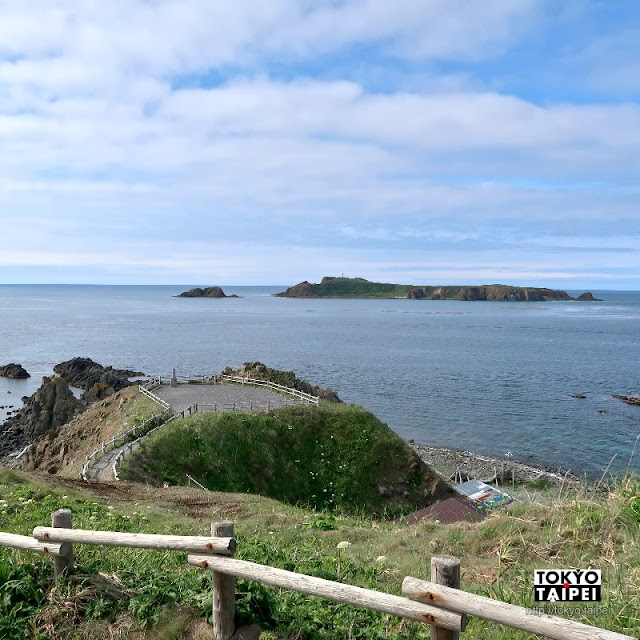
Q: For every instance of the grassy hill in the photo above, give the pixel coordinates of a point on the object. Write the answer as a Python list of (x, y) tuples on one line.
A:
[(337, 457)]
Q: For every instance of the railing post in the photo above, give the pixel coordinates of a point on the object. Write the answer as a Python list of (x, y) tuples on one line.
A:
[(445, 570), (224, 591), (63, 565)]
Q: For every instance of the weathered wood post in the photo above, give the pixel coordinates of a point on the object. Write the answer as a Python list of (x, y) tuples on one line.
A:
[(445, 570), (224, 591), (63, 564)]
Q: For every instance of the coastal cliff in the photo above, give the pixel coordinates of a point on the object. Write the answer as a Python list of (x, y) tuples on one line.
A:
[(331, 287)]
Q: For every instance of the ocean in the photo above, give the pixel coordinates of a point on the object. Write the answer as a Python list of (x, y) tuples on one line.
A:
[(489, 377)]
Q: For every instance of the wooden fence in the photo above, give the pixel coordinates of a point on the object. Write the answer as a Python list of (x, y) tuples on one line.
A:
[(439, 602)]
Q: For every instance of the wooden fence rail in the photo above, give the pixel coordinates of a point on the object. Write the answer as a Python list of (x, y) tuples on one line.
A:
[(196, 544), (504, 613), (443, 607), (336, 591), (27, 542)]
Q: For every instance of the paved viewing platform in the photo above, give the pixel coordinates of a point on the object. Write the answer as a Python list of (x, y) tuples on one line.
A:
[(222, 397)]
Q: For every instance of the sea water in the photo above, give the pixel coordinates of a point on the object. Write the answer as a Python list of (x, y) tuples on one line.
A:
[(497, 378)]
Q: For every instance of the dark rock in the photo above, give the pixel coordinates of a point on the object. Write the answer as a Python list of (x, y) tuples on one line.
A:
[(628, 399), (98, 391), (259, 371), (588, 297), (208, 292), (85, 373), (51, 406), (13, 370)]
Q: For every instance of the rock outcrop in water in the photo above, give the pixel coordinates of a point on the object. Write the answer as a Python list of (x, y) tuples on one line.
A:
[(331, 287), (208, 292), (628, 399), (13, 370), (588, 297)]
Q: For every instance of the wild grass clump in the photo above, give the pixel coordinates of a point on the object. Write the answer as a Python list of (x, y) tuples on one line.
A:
[(334, 457)]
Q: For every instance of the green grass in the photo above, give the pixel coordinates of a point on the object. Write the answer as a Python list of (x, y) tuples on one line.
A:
[(128, 593), (333, 457), (346, 287)]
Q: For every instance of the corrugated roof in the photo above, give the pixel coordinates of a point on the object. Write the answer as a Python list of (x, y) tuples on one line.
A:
[(448, 511)]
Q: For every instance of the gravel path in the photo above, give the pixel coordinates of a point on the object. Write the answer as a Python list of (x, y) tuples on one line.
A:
[(102, 469), (210, 397)]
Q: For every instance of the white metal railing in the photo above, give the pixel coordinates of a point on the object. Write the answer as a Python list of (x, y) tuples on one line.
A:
[(242, 380), (135, 443), (301, 395), (146, 390), (112, 444)]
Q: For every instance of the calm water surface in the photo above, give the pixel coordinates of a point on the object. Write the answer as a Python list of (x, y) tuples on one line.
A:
[(484, 376)]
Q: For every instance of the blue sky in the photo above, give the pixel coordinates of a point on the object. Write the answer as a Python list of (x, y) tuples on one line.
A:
[(253, 142)]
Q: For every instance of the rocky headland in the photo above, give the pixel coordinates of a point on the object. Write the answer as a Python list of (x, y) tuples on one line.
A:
[(54, 403), (207, 292), (51, 406), (331, 287)]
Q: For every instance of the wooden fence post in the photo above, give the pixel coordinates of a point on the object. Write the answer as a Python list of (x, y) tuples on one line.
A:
[(224, 591), (445, 570), (63, 564)]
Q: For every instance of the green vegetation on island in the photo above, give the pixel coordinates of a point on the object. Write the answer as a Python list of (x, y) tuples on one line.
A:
[(331, 287)]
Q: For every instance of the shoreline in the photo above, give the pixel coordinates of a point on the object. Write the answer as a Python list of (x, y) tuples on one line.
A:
[(458, 466)]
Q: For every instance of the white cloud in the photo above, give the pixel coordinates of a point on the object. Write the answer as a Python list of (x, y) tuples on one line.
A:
[(109, 128)]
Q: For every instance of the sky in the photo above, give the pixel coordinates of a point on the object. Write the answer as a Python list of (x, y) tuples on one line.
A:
[(274, 141)]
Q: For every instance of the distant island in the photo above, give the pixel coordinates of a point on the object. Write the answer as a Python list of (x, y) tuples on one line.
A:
[(333, 287), (208, 292)]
